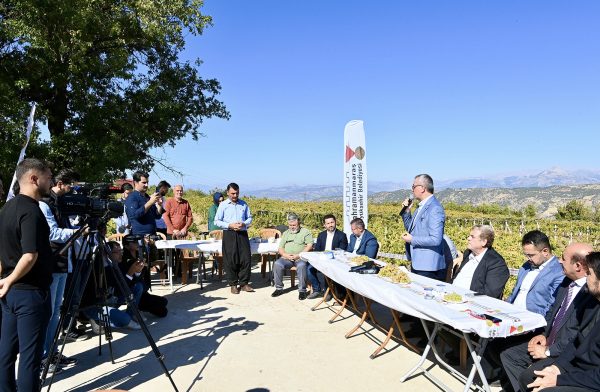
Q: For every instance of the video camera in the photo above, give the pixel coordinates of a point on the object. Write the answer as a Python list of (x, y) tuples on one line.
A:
[(91, 199)]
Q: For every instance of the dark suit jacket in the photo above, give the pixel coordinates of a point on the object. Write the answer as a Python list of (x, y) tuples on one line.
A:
[(491, 274), (339, 241), (368, 244), (579, 364), (577, 317)]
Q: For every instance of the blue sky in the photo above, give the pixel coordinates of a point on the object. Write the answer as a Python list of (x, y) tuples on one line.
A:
[(452, 88)]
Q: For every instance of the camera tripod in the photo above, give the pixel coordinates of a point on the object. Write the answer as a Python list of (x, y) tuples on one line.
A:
[(94, 248)]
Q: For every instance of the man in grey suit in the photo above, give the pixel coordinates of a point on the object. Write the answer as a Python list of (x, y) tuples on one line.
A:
[(425, 231), (564, 319)]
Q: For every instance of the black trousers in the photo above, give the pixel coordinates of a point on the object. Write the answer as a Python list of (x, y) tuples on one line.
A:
[(515, 360), (154, 304), (25, 317), (236, 257)]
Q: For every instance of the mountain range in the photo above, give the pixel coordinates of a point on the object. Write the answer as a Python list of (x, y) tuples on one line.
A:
[(546, 190)]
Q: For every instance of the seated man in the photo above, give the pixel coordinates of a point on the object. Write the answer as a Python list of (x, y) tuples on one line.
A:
[(362, 241), (535, 290), (578, 367), (482, 270), (539, 276), (132, 267), (564, 319), (294, 240), (329, 239)]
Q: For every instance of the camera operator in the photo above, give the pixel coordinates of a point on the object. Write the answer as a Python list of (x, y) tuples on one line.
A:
[(133, 266), (60, 232), (26, 259), (92, 303)]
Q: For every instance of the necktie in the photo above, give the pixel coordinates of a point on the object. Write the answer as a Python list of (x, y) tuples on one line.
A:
[(559, 316)]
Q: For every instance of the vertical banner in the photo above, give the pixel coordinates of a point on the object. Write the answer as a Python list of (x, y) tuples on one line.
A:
[(22, 154), (355, 174)]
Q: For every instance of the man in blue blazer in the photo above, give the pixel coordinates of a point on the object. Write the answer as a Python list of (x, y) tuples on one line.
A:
[(362, 241), (329, 239), (539, 277), (425, 231)]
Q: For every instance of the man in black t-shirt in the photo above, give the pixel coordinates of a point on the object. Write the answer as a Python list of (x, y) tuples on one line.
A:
[(27, 267)]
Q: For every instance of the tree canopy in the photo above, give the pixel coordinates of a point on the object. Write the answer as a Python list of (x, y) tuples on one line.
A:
[(107, 78)]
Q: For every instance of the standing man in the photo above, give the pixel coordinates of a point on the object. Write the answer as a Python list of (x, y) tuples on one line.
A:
[(425, 231), (178, 214), (122, 223), (143, 210), (294, 240), (539, 277), (329, 239), (26, 259), (162, 189), (362, 241), (233, 216), (60, 232)]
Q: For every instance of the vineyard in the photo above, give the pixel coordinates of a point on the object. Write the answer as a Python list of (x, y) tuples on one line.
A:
[(386, 225)]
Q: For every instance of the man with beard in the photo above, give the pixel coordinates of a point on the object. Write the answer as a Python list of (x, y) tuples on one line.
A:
[(329, 239), (26, 259), (577, 369), (294, 240), (234, 217)]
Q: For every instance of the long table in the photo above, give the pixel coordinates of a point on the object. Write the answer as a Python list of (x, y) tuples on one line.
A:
[(211, 247), (481, 315)]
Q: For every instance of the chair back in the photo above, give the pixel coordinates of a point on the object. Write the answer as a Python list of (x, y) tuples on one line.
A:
[(161, 235), (118, 237), (216, 234), (269, 233)]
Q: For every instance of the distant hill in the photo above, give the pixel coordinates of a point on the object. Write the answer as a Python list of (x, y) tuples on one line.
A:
[(545, 200)]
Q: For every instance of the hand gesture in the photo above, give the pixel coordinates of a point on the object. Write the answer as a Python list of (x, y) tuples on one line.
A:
[(4, 287)]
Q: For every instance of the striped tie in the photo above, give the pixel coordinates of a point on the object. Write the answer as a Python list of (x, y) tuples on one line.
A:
[(559, 316)]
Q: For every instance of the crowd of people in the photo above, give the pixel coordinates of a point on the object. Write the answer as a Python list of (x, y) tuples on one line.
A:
[(36, 274)]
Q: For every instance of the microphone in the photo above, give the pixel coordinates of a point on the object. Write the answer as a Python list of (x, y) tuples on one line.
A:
[(404, 208)]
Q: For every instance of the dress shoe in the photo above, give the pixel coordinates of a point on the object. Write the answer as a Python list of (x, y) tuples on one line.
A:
[(234, 290), (247, 288), (302, 295), (276, 293)]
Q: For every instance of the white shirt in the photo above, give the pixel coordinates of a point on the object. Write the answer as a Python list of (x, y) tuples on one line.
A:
[(465, 276), (521, 300), (329, 240), (578, 285), (357, 243)]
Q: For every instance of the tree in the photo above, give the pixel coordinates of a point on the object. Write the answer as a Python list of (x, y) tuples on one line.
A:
[(106, 77), (573, 210), (529, 211)]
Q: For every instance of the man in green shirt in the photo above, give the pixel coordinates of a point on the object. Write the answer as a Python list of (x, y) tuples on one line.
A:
[(294, 240)]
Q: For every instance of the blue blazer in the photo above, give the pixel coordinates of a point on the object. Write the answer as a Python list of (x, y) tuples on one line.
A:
[(426, 251), (368, 245), (340, 241), (542, 293)]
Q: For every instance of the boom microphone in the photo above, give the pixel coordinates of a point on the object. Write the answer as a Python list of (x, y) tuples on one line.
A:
[(404, 208)]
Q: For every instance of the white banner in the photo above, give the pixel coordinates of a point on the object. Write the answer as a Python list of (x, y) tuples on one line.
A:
[(22, 154), (355, 174)]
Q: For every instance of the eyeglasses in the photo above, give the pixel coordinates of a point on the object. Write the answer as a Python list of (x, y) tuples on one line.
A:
[(414, 186)]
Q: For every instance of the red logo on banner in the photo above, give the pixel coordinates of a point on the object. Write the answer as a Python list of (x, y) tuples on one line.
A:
[(349, 153), (359, 152)]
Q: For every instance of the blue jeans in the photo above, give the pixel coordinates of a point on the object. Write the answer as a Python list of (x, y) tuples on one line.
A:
[(117, 317), (137, 290), (57, 290), (317, 279), (25, 315)]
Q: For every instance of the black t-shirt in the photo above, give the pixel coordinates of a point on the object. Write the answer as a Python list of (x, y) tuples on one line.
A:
[(23, 229)]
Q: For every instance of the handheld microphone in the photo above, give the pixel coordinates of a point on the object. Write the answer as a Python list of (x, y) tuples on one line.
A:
[(404, 208)]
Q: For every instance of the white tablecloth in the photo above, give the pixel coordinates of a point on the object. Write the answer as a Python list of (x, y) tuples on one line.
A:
[(410, 299), (209, 246)]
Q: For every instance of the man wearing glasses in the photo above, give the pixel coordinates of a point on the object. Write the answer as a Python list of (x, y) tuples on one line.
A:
[(425, 231)]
